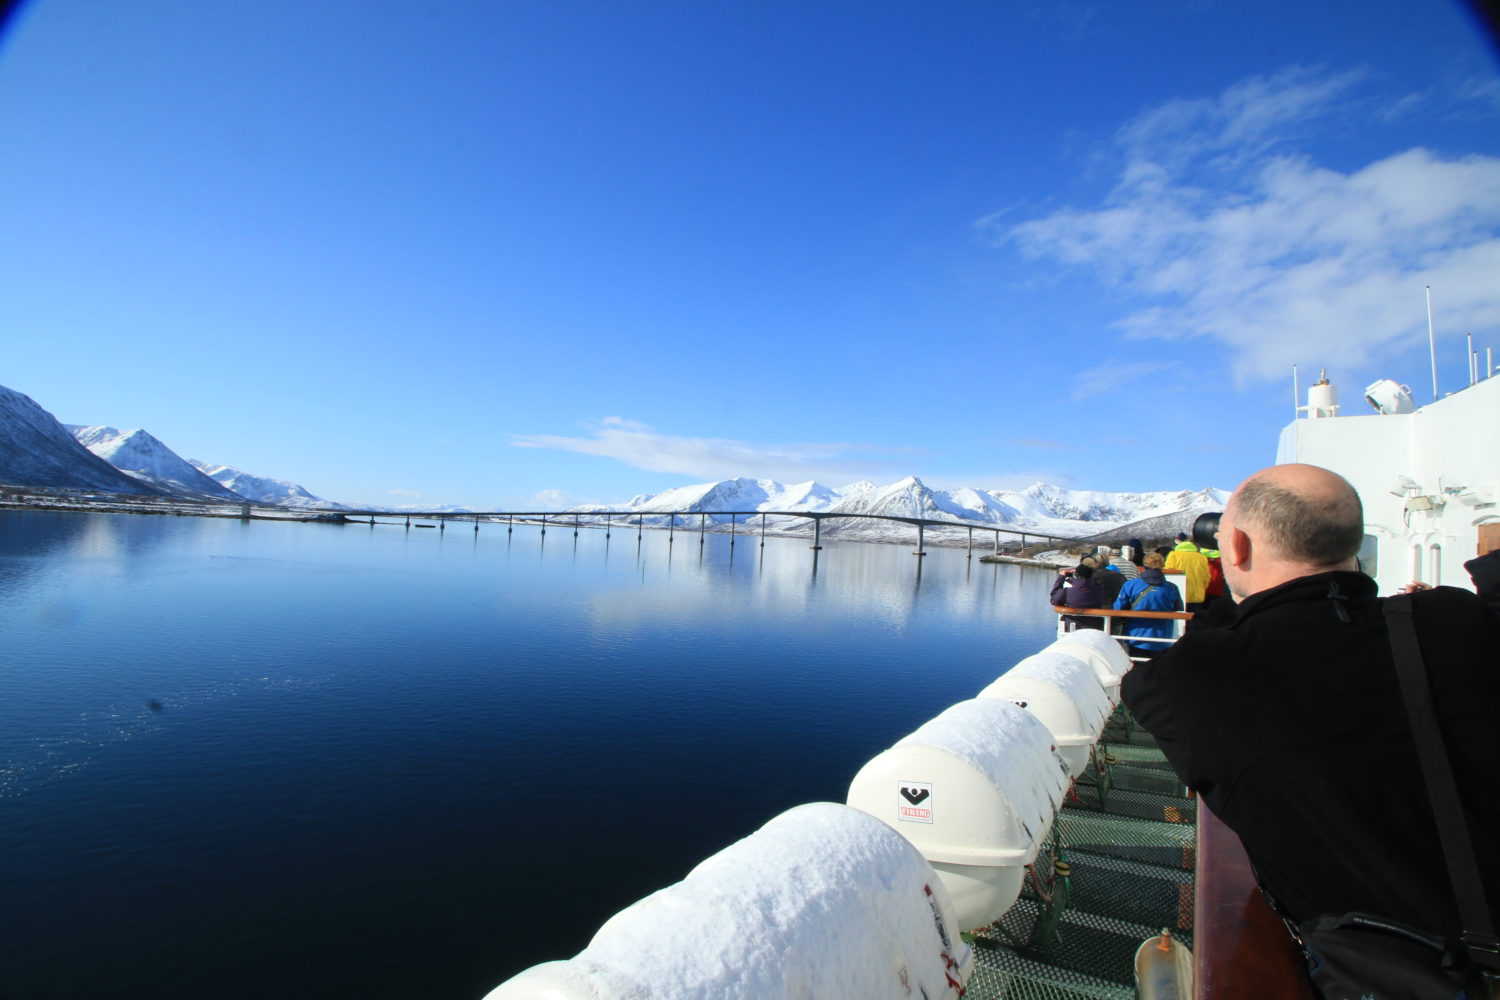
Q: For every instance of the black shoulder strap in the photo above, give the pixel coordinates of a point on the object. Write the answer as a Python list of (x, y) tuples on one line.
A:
[(1458, 850)]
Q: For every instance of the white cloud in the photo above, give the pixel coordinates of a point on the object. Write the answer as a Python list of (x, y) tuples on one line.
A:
[(1224, 235), (639, 446), (550, 499), (1247, 119), (624, 424), (1483, 90), (1112, 374), (1046, 444), (1000, 480)]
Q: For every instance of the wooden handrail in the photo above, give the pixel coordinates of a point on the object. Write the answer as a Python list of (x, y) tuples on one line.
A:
[(1241, 949)]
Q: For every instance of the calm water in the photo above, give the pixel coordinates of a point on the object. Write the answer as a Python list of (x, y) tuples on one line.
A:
[(297, 760)]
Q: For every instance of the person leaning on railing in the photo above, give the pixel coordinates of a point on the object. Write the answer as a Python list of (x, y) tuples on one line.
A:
[(1149, 591), (1075, 588)]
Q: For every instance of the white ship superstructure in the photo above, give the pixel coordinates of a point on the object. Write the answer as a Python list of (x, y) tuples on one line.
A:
[(1428, 476)]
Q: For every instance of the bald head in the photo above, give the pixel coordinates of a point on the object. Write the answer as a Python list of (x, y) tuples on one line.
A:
[(1302, 514)]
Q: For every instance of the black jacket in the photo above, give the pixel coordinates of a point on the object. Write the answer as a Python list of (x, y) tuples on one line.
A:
[(1289, 722), (1485, 572), (1110, 581)]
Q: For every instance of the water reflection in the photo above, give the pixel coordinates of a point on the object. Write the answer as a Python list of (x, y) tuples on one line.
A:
[(319, 731)]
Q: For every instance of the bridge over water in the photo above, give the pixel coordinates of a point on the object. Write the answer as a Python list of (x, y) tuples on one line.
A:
[(608, 519)]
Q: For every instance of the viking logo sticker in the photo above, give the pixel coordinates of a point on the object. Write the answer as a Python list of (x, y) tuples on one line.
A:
[(915, 802)]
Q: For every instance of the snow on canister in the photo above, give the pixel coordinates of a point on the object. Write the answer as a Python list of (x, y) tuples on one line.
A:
[(1064, 693), (976, 790), (1105, 655), (822, 902)]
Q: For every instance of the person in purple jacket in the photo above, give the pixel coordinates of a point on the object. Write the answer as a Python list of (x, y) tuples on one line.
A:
[(1075, 588)]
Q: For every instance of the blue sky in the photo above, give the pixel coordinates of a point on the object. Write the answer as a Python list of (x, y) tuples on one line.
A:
[(515, 255)]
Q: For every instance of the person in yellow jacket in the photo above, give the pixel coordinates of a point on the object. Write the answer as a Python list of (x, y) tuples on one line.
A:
[(1186, 559)]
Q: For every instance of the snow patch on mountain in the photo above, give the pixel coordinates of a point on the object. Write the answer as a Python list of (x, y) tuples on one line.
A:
[(1043, 501), (37, 450), (806, 496), (146, 458), (262, 489)]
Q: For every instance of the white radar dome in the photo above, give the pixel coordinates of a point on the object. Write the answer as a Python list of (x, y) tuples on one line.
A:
[(1389, 396)]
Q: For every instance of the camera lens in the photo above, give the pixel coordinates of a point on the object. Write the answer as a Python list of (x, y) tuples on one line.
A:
[(1206, 529)]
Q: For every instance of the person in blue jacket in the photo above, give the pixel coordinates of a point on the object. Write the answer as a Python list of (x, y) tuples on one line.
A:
[(1151, 591)]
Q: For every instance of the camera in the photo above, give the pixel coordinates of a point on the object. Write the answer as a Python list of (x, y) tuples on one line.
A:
[(1206, 530)]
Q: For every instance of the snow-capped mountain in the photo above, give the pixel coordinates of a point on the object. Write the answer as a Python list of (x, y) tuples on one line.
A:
[(144, 457), (36, 450), (1041, 507), (262, 489), (910, 497), (730, 495), (1043, 501)]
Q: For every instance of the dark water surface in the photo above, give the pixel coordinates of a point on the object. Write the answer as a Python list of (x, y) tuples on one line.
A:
[(301, 760)]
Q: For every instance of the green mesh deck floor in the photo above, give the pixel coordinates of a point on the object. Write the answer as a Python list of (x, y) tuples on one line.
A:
[(1131, 853), (1162, 781)]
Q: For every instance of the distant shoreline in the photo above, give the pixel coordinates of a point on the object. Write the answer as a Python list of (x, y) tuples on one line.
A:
[(32, 498), (83, 501)]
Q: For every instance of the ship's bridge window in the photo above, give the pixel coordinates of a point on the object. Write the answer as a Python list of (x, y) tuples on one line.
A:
[(1435, 563), (1369, 555)]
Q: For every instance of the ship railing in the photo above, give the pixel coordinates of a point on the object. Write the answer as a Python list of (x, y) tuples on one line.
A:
[(1241, 949), (1107, 618)]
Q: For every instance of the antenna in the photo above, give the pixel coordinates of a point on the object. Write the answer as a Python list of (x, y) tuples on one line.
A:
[(1296, 394), (1431, 344), (1473, 360)]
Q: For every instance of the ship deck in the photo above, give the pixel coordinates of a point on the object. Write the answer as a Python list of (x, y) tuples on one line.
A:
[(1127, 840)]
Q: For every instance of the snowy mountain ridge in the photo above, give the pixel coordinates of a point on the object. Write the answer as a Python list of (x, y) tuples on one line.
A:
[(37, 450), (1042, 507), (261, 489), (144, 457)]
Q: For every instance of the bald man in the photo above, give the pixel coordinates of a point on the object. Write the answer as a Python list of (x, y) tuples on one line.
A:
[(1290, 723)]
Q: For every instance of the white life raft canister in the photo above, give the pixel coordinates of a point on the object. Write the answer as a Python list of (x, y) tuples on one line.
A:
[(824, 902), (1064, 693), (976, 790)]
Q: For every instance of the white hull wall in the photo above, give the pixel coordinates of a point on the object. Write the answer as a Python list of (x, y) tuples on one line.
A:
[(1449, 448)]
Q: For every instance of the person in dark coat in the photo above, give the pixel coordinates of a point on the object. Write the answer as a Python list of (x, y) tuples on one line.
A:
[(1109, 579), (1273, 718), (1137, 553), (1485, 572), (1075, 588)]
